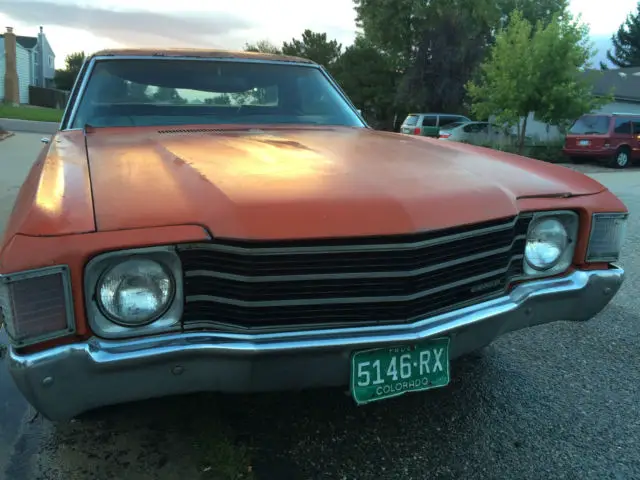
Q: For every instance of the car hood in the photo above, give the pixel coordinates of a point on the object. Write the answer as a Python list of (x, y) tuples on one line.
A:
[(308, 182)]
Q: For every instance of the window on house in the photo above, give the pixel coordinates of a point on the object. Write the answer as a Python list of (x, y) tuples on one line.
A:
[(50, 61)]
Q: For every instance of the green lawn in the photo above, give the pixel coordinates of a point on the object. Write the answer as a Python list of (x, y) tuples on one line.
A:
[(30, 113)]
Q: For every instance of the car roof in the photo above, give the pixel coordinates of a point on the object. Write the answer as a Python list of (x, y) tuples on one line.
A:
[(197, 53)]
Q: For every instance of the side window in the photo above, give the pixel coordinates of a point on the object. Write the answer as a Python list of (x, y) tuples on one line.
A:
[(623, 125), (636, 126), (429, 121), (470, 128), (411, 120), (447, 119)]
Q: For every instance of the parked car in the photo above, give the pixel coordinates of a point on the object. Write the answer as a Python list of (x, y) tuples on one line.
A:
[(471, 132), (613, 138), (220, 221), (429, 124)]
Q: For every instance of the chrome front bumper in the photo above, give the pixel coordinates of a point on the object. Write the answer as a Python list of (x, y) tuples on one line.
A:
[(65, 381)]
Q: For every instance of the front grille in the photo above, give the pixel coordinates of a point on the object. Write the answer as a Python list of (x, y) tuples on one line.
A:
[(372, 280)]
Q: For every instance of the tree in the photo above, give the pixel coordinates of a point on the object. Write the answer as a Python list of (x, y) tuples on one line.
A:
[(262, 46), (168, 95), (222, 99), (314, 46), (65, 78), (437, 45), (368, 76), (536, 70), (626, 42)]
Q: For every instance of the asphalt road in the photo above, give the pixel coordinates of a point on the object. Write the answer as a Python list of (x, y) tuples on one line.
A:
[(557, 401)]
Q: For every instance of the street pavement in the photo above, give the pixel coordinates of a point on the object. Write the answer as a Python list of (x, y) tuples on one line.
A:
[(556, 401)]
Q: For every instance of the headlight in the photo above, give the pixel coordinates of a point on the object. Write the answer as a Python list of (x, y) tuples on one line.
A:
[(135, 292), (545, 243), (551, 243)]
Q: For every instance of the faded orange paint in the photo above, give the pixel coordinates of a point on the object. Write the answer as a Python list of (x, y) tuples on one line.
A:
[(55, 199), (310, 182), (149, 188), (197, 53)]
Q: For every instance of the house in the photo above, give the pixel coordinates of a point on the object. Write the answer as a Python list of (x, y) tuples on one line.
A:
[(34, 63)]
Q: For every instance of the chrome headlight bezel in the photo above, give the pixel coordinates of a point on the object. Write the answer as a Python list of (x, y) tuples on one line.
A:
[(570, 222), (596, 218), (103, 324)]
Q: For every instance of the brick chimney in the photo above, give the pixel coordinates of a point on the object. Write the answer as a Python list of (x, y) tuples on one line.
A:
[(11, 94)]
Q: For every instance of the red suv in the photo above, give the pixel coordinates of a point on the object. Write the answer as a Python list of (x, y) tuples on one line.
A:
[(610, 137)]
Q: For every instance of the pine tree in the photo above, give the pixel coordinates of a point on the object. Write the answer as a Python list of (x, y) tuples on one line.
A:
[(626, 42)]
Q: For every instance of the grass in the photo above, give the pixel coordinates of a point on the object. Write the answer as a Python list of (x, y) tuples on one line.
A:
[(28, 112)]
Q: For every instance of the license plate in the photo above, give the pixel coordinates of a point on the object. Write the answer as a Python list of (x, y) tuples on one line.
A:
[(584, 143), (382, 373)]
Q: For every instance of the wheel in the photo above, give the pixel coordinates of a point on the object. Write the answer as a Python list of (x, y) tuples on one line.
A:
[(622, 158), (578, 160)]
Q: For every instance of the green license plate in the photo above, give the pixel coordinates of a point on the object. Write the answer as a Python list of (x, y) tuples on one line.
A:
[(382, 373)]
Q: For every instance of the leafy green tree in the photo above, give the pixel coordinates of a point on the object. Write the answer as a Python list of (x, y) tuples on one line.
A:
[(316, 47), (65, 78), (626, 42), (168, 95), (223, 99), (262, 46), (368, 77), (438, 45), (536, 70)]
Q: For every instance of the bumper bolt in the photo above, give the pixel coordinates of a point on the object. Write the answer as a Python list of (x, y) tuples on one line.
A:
[(607, 291), (177, 370), (47, 381)]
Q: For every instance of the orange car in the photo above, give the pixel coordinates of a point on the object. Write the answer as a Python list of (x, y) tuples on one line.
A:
[(218, 221)]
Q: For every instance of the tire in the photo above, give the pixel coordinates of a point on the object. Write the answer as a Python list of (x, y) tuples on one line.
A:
[(622, 158)]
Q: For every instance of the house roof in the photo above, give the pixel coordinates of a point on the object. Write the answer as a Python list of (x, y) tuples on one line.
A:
[(25, 42), (624, 83), (201, 53)]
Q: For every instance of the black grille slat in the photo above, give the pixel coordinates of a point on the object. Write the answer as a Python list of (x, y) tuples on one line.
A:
[(318, 263), (295, 284)]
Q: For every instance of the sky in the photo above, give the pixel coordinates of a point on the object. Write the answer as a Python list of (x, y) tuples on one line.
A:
[(72, 25)]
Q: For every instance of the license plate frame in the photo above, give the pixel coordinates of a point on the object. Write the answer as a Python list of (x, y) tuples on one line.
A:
[(435, 374), (584, 143)]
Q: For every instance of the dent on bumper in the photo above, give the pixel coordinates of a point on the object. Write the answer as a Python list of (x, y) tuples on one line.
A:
[(66, 381)]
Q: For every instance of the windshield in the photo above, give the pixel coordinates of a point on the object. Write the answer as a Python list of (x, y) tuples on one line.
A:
[(451, 126), (177, 92), (591, 125)]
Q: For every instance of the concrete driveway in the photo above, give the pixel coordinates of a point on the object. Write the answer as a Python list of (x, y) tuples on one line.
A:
[(557, 401)]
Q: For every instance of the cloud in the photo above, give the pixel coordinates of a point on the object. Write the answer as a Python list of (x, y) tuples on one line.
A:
[(133, 27)]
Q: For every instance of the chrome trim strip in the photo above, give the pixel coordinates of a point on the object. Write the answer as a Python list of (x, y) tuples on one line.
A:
[(351, 248), (348, 300), (588, 258), (63, 270), (106, 351), (76, 95), (353, 275)]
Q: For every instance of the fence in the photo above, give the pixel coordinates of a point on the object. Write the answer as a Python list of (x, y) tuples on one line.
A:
[(48, 97)]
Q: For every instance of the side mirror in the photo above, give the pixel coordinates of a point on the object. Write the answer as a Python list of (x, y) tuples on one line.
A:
[(45, 140), (359, 112)]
